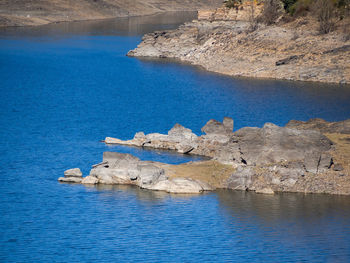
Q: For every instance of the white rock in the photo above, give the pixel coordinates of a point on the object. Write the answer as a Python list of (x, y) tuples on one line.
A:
[(75, 172), (178, 186), (89, 180)]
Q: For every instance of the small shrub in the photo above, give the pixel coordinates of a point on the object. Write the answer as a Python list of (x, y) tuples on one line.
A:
[(300, 7), (325, 11), (271, 11), (253, 22), (232, 3), (287, 4)]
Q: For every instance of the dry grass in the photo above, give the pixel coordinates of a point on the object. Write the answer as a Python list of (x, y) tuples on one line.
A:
[(210, 172), (341, 153)]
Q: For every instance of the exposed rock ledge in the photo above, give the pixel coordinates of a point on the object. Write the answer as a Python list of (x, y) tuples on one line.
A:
[(291, 51), (266, 160)]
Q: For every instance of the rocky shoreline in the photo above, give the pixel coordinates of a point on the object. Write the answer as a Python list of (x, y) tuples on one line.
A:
[(222, 41), (307, 157)]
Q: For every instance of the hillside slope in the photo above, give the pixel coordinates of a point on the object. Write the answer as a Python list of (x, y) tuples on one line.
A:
[(39, 12)]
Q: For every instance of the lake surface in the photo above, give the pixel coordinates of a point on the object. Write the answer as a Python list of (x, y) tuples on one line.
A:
[(64, 87)]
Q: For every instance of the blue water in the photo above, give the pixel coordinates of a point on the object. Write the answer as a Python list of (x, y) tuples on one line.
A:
[(65, 87)]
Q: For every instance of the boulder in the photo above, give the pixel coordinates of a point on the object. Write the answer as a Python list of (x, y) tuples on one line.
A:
[(228, 124), (241, 179), (149, 174), (70, 179), (120, 160), (214, 127), (89, 180), (179, 186), (139, 135), (181, 133), (75, 172), (111, 175)]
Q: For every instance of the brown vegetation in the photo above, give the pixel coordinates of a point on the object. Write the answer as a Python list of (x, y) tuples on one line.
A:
[(211, 172)]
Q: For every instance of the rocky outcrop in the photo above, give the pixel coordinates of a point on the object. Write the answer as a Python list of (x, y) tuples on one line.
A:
[(226, 44), (119, 168), (179, 139), (72, 176), (274, 144), (267, 159), (249, 146)]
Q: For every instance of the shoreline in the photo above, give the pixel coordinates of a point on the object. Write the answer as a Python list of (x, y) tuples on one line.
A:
[(285, 51), (94, 19)]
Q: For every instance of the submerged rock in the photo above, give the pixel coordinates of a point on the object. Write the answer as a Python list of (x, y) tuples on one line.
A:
[(70, 179), (268, 191)]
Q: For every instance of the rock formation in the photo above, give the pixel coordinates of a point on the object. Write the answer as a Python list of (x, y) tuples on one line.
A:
[(119, 168), (72, 176), (266, 160)]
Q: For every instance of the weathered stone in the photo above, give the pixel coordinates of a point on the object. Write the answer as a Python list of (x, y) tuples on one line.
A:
[(274, 144), (70, 179), (228, 154), (241, 179), (214, 127), (89, 180), (325, 162), (120, 160), (111, 175), (149, 174), (228, 124), (181, 133), (140, 135), (75, 172), (268, 191), (179, 186), (185, 149)]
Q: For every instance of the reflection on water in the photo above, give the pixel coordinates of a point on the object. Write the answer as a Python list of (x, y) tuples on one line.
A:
[(290, 206), (128, 26)]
